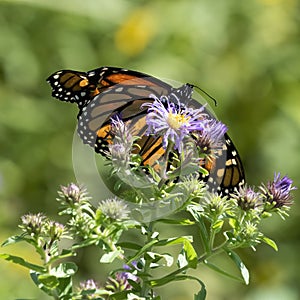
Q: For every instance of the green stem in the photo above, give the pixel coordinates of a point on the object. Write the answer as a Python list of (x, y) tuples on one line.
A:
[(113, 247), (163, 176), (213, 252), (200, 259), (145, 286), (180, 270), (203, 234), (211, 239)]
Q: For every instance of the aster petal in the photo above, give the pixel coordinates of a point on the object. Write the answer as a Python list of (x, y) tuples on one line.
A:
[(172, 121)]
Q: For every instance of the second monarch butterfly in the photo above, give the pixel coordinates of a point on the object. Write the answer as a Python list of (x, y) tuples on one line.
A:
[(106, 91)]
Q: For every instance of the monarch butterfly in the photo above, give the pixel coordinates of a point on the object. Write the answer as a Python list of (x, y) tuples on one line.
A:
[(105, 91)]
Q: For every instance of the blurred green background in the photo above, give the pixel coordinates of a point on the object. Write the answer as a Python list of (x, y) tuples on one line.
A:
[(244, 53)]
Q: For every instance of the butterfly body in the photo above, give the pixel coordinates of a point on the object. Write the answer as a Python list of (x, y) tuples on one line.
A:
[(108, 91)]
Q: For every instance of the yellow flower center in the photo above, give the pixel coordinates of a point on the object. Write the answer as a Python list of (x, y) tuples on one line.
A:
[(177, 120)]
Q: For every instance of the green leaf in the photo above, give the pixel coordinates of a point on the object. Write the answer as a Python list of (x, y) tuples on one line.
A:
[(166, 279), (64, 290), (119, 296), (233, 223), (237, 260), (217, 226), (195, 211), (136, 296), (64, 270), (176, 222), (136, 285), (130, 224), (191, 254), (130, 245), (53, 285), (172, 277), (49, 281), (202, 294), (35, 278), (89, 292), (84, 243), (13, 240), (174, 241), (142, 250), (110, 256), (65, 253), (270, 242), (182, 260), (155, 257), (219, 270), (20, 261)]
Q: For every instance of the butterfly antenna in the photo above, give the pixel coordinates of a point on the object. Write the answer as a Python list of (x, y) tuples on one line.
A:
[(207, 94)]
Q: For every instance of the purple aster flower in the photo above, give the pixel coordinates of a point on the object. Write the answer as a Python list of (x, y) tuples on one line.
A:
[(126, 275), (55, 230), (89, 284), (247, 198), (172, 121), (71, 191), (120, 146), (88, 289), (34, 224), (72, 194), (120, 131), (119, 154), (210, 139), (133, 268), (278, 191), (119, 282)]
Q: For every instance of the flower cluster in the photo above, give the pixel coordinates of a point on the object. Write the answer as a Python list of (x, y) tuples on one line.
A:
[(118, 283), (36, 225), (44, 233), (175, 122), (234, 218), (182, 141), (275, 196), (180, 146)]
